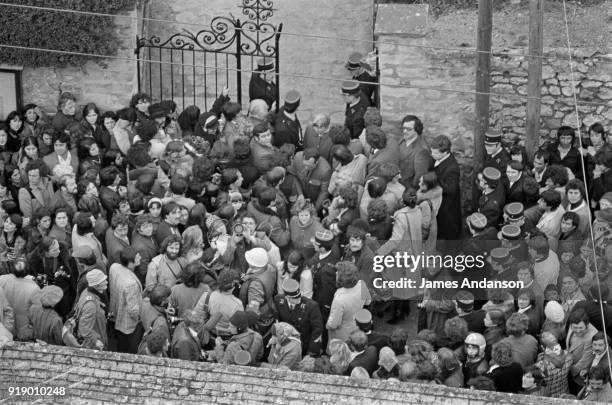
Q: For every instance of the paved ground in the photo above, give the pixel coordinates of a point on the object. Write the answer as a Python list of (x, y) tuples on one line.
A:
[(409, 324)]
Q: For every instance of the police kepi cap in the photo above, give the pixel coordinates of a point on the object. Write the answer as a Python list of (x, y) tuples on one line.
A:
[(514, 210), (492, 136), (265, 64), (363, 316), (291, 288), (491, 173), (354, 61), (477, 220), (350, 87)]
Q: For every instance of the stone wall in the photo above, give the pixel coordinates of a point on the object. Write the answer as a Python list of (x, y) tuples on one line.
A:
[(107, 82), (592, 80), (91, 376), (409, 70), (301, 58)]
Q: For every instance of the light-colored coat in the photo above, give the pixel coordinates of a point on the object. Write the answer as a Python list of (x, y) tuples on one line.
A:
[(125, 298), (346, 303)]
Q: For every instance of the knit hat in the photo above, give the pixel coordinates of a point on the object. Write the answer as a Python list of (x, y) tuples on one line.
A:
[(607, 196), (240, 320), (604, 215), (95, 277), (554, 311), (257, 257), (50, 296)]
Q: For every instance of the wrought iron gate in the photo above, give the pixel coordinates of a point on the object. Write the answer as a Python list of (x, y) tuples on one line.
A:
[(192, 68)]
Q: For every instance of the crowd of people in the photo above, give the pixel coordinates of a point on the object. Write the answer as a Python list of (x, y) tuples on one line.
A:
[(249, 238)]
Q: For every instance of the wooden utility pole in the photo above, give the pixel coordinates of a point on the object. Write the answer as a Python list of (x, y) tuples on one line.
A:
[(483, 78), (536, 43)]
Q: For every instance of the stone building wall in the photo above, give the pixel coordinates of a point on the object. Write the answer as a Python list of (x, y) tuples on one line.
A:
[(415, 79), (109, 82), (301, 58), (91, 377)]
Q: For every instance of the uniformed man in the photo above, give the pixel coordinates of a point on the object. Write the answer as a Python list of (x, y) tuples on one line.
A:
[(502, 268), (262, 84), (356, 105), (322, 265), (287, 127), (303, 314), (491, 203), (497, 156), (482, 237), (362, 72), (515, 214), (363, 319), (511, 239)]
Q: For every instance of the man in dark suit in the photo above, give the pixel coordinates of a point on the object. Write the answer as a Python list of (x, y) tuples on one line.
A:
[(313, 173), (317, 136), (303, 314), (541, 161), (262, 84), (564, 153), (384, 150), (365, 356), (415, 157), (448, 172), (491, 203), (109, 192), (185, 345), (356, 105), (521, 188), (287, 127)]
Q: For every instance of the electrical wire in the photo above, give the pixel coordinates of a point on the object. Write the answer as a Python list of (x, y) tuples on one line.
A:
[(284, 33), (586, 191), (291, 75)]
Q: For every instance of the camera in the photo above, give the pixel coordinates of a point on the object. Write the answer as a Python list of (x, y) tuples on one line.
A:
[(238, 229), (42, 280)]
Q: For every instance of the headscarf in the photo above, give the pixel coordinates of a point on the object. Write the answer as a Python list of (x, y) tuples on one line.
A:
[(387, 358)]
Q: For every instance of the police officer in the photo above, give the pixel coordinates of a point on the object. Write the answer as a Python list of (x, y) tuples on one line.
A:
[(363, 319), (497, 156), (482, 238), (511, 238), (356, 105), (491, 203), (287, 127), (514, 214), (262, 84), (361, 72), (303, 314)]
